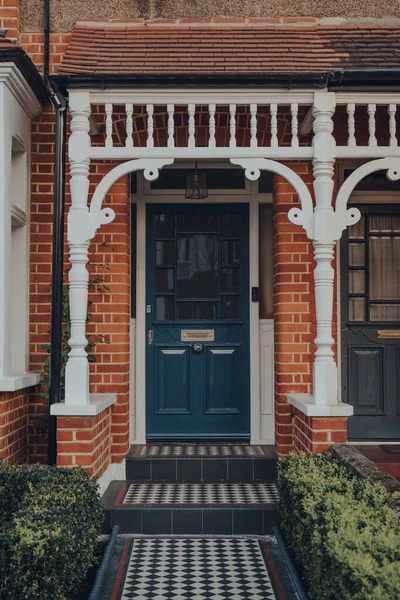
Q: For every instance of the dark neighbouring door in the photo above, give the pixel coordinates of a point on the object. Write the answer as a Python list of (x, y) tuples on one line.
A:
[(197, 362), (370, 291)]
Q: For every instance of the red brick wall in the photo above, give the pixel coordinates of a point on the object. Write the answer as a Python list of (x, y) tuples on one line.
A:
[(85, 441), (41, 225), (13, 426), (9, 17), (317, 434), (294, 307), (33, 45)]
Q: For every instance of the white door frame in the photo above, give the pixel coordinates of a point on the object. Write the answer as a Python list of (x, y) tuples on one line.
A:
[(146, 196)]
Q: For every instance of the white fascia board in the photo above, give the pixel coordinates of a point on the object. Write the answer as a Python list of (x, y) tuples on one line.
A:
[(13, 79), (198, 95)]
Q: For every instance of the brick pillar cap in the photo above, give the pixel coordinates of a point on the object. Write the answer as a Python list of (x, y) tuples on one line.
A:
[(98, 403), (305, 403)]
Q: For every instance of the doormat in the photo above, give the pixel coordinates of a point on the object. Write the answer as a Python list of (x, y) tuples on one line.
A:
[(390, 449)]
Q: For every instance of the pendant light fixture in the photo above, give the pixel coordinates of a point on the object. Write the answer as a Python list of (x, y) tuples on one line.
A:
[(196, 184)]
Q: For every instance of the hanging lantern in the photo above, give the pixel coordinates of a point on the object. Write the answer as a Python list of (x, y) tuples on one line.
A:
[(196, 185)]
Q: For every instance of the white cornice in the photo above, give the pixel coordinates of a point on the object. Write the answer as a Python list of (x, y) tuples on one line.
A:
[(13, 79)]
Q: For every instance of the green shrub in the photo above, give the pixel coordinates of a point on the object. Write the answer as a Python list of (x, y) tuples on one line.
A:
[(50, 519), (340, 529)]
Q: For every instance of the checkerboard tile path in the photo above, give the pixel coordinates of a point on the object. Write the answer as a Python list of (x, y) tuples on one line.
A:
[(201, 493), (202, 450), (197, 569)]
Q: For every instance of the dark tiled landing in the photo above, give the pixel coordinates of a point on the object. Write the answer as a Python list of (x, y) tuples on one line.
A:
[(201, 462)]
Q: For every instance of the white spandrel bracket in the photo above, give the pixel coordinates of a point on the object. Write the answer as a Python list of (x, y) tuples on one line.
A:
[(83, 223), (253, 168)]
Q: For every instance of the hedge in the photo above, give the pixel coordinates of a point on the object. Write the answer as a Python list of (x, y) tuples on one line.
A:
[(340, 530), (50, 519)]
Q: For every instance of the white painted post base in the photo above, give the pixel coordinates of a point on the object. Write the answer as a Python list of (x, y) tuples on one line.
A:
[(325, 375)]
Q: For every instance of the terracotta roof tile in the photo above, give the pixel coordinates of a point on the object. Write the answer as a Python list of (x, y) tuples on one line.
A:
[(134, 48)]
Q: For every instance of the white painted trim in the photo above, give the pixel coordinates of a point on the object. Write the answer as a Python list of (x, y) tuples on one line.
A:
[(339, 320), (98, 403), (13, 79), (139, 434), (267, 380), (18, 216), (365, 98), (15, 112), (132, 381), (114, 472), (367, 152), (177, 195), (203, 152), (13, 383), (254, 329), (199, 96), (305, 403)]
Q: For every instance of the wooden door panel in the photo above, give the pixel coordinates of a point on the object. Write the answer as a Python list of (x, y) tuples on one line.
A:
[(223, 380), (366, 380), (172, 371)]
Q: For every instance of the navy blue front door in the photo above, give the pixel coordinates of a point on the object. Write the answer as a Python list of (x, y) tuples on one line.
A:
[(197, 363)]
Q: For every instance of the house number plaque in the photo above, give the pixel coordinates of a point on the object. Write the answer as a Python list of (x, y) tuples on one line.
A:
[(388, 333), (197, 335)]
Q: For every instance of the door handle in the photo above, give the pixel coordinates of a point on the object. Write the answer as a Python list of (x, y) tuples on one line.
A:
[(150, 338)]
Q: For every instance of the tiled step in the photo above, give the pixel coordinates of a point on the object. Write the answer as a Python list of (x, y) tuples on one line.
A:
[(201, 462), (191, 508)]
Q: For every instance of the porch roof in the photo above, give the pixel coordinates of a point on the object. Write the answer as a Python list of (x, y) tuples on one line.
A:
[(139, 48)]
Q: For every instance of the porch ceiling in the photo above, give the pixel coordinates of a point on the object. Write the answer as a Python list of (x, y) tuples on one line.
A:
[(134, 48)]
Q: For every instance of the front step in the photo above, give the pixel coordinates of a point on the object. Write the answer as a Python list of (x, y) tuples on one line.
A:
[(191, 508), (201, 462)]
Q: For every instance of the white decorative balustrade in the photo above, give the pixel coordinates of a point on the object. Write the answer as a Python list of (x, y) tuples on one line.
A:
[(373, 125), (205, 124), (215, 124)]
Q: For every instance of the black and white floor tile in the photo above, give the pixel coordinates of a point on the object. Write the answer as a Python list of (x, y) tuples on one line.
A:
[(201, 493), (201, 450), (197, 569)]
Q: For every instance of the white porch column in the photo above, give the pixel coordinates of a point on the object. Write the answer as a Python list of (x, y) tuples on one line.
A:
[(77, 369), (324, 227), (325, 378), (81, 228)]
